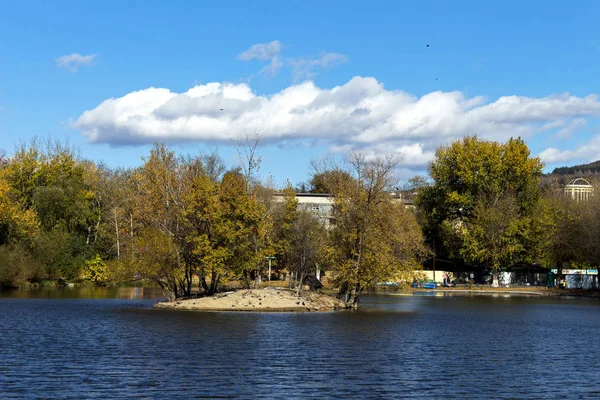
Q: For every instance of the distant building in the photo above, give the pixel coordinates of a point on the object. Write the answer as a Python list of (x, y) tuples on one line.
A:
[(579, 189), (321, 204)]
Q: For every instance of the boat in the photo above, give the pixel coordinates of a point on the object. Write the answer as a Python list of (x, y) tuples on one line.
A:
[(430, 284)]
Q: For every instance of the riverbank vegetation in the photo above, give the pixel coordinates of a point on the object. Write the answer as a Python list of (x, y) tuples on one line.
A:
[(193, 224), (487, 207)]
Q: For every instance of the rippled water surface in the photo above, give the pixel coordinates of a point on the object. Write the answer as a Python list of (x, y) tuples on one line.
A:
[(112, 344)]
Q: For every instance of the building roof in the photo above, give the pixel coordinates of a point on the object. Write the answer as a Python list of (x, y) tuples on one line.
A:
[(579, 182)]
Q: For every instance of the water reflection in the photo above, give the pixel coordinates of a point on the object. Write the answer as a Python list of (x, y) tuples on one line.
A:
[(445, 347), (87, 292)]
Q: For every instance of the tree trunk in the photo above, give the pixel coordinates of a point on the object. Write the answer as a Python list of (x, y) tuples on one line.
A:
[(350, 296), (214, 282), (169, 294), (354, 297), (174, 285), (317, 272), (97, 226), (190, 278), (495, 278), (117, 236), (131, 232), (257, 279), (203, 282)]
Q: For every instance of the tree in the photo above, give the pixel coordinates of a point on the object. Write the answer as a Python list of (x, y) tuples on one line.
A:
[(202, 215), (250, 160), (244, 227), (285, 214), (157, 213), (16, 224), (494, 234), (417, 183), (374, 239), (158, 260), (474, 182), (572, 231), (307, 245), (327, 180)]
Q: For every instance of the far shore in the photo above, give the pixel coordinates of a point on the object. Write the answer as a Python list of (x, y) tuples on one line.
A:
[(486, 289)]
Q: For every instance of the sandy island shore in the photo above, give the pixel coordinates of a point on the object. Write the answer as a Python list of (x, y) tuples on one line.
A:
[(268, 299)]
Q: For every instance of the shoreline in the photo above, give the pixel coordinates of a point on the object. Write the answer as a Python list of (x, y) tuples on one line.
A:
[(543, 291)]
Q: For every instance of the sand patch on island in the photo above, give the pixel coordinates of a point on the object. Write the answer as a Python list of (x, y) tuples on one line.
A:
[(268, 299)]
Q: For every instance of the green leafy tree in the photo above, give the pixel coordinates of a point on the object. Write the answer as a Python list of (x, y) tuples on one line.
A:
[(472, 180)]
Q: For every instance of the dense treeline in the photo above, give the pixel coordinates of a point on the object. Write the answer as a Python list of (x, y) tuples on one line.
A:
[(584, 169), (487, 208), (190, 224), (194, 224)]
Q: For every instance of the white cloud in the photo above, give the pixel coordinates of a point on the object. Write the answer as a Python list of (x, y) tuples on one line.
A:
[(590, 151), (72, 62), (272, 68), (569, 128), (359, 114), (262, 51), (305, 69), (302, 68), (265, 52)]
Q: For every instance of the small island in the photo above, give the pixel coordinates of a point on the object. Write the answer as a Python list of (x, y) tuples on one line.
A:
[(261, 300)]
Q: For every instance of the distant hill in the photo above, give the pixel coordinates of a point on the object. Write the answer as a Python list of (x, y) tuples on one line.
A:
[(593, 167)]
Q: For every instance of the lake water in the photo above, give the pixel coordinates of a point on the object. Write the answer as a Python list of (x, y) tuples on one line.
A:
[(110, 344)]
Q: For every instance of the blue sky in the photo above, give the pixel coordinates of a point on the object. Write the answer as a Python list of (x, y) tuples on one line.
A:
[(313, 77)]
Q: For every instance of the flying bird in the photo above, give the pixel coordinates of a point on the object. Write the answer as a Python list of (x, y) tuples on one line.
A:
[(427, 46)]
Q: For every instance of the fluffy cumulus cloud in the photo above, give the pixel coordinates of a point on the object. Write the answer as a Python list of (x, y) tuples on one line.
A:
[(72, 62), (359, 114)]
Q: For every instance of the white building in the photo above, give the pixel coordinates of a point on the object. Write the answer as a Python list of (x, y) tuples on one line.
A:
[(579, 189)]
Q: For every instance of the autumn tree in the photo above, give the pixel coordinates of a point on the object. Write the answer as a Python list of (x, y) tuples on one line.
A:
[(149, 213), (202, 214), (374, 239), (246, 225), (285, 214), (16, 223), (325, 180), (307, 246), (18, 230)]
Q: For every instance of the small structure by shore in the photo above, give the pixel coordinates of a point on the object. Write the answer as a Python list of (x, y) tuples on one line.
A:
[(258, 300)]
